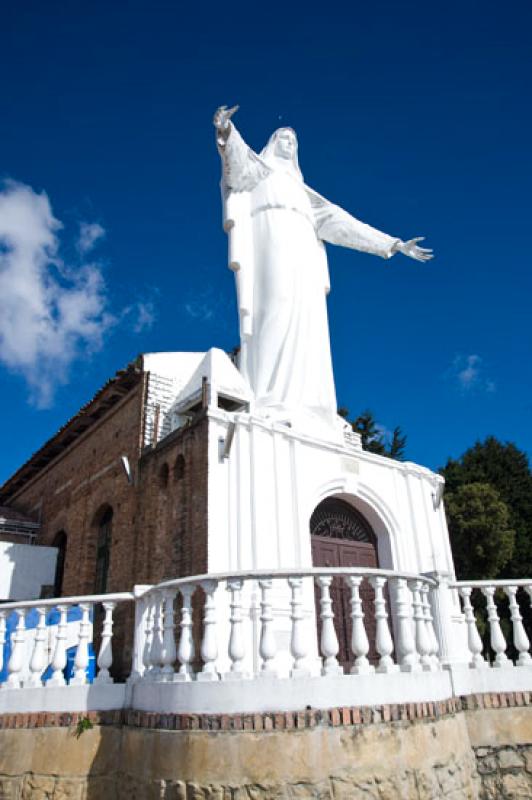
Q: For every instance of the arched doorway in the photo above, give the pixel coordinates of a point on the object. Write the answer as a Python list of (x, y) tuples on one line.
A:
[(342, 537)]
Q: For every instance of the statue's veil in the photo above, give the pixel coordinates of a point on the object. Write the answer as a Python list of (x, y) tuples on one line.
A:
[(268, 156)]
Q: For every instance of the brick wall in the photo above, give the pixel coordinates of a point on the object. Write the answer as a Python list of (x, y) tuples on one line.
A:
[(70, 493), (172, 520)]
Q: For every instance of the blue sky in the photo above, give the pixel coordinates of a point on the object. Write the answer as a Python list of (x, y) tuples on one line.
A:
[(415, 117)]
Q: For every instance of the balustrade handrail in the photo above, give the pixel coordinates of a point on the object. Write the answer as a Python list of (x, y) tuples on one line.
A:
[(53, 602), (306, 572), (495, 583)]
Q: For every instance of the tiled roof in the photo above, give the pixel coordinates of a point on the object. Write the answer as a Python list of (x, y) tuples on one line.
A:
[(8, 514), (106, 397)]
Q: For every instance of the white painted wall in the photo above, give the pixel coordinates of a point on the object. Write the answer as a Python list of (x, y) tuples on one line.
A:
[(262, 496), (24, 568)]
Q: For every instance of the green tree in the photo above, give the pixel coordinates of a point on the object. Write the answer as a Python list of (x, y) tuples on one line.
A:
[(366, 425), (482, 540), (373, 437), (397, 445), (506, 469)]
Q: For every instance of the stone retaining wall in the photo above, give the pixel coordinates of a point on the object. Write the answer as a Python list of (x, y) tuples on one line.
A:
[(477, 748)]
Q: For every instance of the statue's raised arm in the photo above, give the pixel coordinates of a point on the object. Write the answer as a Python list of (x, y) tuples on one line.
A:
[(277, 226), (242, 168)]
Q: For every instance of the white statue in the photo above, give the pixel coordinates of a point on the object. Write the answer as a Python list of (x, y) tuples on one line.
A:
[(277, 226)]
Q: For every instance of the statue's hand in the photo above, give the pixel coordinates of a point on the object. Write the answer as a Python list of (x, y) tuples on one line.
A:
[(412, 249), (222, 116)]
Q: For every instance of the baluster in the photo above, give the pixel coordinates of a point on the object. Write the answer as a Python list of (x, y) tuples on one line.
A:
[(105, 656), (59, 659), (329, 640), (2, 638), (236, 647), (406, 644), (497, 640), (81, 661), (148, 637), (156, 651), (139, 633), (268, 645), (169, 652), (383, 638), (185, 652), (429, 624), (359, 637), (423, 644), (18, 648), (39, 656), (209, 645), (298, 643), (474, 642), (521, 641)]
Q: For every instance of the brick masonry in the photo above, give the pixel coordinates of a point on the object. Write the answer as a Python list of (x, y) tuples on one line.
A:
[(291, 720), (159, 522)]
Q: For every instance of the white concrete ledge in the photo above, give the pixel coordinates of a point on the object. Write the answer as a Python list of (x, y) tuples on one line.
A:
[(285, 694), (466, 680), (57, 699)]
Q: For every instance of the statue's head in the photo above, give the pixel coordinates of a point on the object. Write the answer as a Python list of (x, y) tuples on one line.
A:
[(282, 147)]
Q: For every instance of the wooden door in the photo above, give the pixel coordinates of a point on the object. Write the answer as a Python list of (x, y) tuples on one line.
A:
[(341, 537)]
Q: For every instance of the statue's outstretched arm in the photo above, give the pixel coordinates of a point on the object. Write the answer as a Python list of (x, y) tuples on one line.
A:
[(242, 168), (336, 226)]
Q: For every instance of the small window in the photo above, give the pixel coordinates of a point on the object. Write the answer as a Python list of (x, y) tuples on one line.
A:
[(163, 476), (103, 551), (179, 468), (60, 541)]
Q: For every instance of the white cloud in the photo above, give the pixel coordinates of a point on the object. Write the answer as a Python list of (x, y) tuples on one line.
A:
[(468, 372), (197, 309), (89, 234), (51, 313)]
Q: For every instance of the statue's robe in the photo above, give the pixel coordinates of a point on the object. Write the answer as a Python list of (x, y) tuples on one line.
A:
[(277, 226)]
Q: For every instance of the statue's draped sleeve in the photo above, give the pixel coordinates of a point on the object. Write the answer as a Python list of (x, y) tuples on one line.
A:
[(242, 168), (242, 171), (336, 226)]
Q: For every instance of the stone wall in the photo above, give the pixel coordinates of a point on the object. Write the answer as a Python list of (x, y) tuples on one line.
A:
[(477, 753)]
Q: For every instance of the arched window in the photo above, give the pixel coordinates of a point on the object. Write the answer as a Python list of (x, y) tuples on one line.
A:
[(60, 541), (179, 468), (163, 476), (104, 526)]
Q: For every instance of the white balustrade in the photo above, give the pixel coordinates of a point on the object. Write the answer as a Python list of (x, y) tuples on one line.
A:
[(434, 647), (328, 641), (236, 648), (148, 636), (497, 640), (406, 645), (276, 640), (59, 659), (474, 641), (298, 640), (15, 664), (423, 644), (169, 650), (521, 641), (39, 655), (185, 650), (383, 637), (156, 650), (105, 656), (267, 645), (209, 644), (359, 637), (81, 660), (2, 637)]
